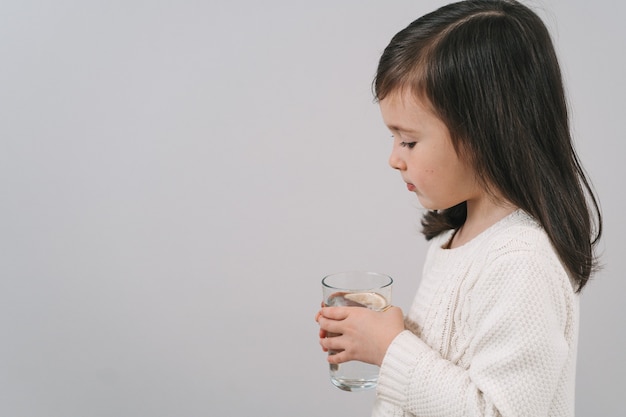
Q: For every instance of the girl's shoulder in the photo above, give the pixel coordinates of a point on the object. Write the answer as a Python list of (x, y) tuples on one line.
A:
[(520, 249), (517, 231), (516, 240)]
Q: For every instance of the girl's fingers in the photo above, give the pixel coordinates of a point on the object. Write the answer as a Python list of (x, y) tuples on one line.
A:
[(323, 343), (332, 344), (331, 326), (318, 315), (335, 313), (339, 357)]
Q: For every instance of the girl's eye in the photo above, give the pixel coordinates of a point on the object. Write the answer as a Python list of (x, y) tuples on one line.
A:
[(409, 145)]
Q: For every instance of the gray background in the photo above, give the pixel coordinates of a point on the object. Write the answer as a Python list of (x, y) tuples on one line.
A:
[(177, 176)]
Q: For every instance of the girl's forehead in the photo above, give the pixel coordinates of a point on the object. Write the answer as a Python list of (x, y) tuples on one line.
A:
[(407, 97), (405, 102), (403, 111)]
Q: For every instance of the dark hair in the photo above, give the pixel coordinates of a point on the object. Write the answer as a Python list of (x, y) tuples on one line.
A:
[(490, 72)]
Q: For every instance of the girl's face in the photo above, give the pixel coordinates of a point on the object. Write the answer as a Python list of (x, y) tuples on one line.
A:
[(424, 154)]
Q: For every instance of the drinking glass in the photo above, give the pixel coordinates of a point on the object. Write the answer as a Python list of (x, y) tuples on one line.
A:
[(358, 289)]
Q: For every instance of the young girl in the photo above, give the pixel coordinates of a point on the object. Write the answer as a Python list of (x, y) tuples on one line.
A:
[(473, 96)]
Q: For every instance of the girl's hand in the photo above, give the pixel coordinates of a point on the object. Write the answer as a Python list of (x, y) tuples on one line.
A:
[(361, 334)]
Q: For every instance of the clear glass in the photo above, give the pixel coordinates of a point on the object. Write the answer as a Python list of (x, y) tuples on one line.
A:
[(359, 289)]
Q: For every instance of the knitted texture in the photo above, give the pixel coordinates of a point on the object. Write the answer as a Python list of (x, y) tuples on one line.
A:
[(492, 331)]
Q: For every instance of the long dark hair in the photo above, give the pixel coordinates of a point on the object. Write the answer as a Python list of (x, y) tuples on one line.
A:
[(490, 72)]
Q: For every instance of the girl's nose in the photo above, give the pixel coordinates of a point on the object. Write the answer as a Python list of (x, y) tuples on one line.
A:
[(395, 161)]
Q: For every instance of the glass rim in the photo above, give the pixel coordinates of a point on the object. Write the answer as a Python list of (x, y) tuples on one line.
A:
[(370, 273)]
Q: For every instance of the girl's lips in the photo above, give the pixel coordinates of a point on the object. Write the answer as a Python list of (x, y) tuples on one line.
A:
[(410, 187)]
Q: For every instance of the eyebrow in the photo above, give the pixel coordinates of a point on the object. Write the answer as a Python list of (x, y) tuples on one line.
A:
[(400, 129)]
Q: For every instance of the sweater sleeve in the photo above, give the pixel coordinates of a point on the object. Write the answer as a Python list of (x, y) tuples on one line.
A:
[(515, 317)]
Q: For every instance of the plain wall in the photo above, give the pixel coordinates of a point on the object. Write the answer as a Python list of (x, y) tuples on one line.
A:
[(176, 177)]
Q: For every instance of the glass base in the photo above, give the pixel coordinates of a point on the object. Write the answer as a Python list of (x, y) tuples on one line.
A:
[(353, 385)]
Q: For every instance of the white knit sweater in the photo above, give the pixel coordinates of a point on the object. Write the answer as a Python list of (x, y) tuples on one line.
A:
[(492, 331)]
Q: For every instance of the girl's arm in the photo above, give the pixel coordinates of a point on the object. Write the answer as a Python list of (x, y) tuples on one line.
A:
[(519, 322)]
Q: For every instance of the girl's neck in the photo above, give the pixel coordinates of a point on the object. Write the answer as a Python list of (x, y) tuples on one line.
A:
[(481, 215)]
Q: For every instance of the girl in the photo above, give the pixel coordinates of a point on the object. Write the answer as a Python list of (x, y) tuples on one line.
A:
[(473, 96)]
